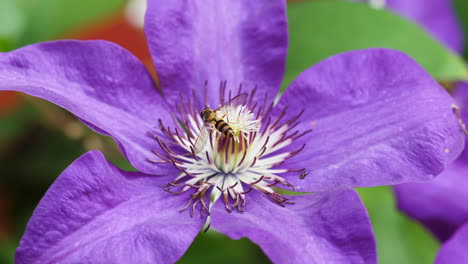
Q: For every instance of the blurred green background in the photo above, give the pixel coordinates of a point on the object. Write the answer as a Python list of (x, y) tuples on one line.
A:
[(39, 140)]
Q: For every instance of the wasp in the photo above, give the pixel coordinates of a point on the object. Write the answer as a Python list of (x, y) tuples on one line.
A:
[(215, 119)]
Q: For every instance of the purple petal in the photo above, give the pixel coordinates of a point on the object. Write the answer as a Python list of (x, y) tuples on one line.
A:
[(441, 204), (239, 41), (99, 82), (318, 228), (455, 249), (461, 97), (377, 118), (96, 213)]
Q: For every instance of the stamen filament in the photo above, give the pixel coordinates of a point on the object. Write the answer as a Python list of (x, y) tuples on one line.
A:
[(230, 165)]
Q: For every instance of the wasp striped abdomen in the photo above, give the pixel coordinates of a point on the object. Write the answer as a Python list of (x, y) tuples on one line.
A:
[(213, 117), (209, 116), (224, 128)]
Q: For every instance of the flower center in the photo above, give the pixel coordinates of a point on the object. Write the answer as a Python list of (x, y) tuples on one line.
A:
[(228, 151)]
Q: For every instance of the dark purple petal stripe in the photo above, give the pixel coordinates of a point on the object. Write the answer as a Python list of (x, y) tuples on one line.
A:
[(96, 213), (196, 41), (377, 118), (99, 82), (318, 228)]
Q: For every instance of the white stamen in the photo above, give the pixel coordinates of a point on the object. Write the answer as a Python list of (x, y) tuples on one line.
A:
[(228, 167)]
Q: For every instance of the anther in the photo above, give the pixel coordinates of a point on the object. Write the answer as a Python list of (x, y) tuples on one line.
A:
[(279, 117), (303, 175), (193, 154), (253, 163), (306, 132), (252, 95), (208, 158), (234, 185), (242, 159), (231, 159), (226, 201), (257, 181)]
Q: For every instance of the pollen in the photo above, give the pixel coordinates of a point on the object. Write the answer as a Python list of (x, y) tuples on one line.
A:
[(228, 167), (242, 121)]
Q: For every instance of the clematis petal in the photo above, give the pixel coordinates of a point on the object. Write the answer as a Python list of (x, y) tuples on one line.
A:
[(99, 82), (239, 41), (439, 204), (96, 213), (377, 118), (454, 250), (318, 228), (461, 97)]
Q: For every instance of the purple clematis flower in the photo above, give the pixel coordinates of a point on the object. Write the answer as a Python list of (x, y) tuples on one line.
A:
[(441, 204), (454, 250), (362, 118), (436, 16)]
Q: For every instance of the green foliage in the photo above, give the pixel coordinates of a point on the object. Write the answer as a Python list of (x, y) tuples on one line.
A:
[(35, 156), (399, 239), (213, 247), (26, 22), (15, 124), (48, 19), (8, 251), (319, 29), (461, 7), (12, 22)]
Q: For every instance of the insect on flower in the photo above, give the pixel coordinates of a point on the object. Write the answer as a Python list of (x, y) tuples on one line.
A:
[(233, 162), (215, 118), (372, 125)]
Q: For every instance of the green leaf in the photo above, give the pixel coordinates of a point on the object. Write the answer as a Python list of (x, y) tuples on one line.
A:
[(12, 21), (399, 239), (213, 247), (319, 29), (461, 7), (48, 19), (15, 124), (8, 251)]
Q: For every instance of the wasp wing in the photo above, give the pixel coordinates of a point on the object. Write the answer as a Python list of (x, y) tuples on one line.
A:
[(201, 139), (240, 99)]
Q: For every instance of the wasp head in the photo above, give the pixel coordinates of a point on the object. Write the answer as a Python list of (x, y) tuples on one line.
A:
[(206, 113)]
